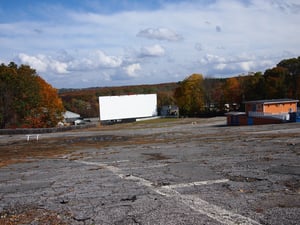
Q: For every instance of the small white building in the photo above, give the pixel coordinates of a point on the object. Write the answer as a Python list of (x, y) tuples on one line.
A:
[(70, 117)]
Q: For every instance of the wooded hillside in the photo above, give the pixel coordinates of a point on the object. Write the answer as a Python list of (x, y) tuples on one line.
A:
[(26, 100), (197, 95)]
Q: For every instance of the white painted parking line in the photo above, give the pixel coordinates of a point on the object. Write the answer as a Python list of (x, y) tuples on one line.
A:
[(117, 161), (197, 204), (197, 183), (146, 167), (91, 163), (121, 161), (221, 215)]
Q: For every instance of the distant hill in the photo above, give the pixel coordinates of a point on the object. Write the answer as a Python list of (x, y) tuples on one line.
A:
[(206, 96)]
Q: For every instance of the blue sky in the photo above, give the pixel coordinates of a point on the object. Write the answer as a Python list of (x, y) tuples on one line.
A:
[(88, 43)]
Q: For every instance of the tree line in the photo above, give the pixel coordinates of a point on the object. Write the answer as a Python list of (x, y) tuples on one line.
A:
[(196, 95), (26, 100)]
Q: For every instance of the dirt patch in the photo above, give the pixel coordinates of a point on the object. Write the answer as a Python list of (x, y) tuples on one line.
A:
[(156, 156), (243, 179), (31, 215), (20, 151)]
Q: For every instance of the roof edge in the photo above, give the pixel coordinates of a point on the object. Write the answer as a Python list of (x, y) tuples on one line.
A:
[(272, 101)]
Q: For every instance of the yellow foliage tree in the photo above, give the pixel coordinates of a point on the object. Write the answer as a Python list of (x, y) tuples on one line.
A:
[(190, 95)]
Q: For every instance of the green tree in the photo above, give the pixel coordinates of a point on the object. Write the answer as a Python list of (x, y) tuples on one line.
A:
[(293, 67), (8, 77), (276, 82), (254, 87), (27, 93)]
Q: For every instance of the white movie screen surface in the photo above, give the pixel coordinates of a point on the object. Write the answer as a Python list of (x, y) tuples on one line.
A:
[(127, 106)]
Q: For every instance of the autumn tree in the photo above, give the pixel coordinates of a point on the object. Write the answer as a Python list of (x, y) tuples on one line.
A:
[(26, 100), (190, 95), (165, 98), (214, 95), (49, 109), (232, 90)]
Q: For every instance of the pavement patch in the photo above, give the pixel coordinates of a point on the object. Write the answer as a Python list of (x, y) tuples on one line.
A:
[(214, 175), (195, 203)]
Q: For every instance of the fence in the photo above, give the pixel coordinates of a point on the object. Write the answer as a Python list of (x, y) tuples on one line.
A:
[(283, 116)]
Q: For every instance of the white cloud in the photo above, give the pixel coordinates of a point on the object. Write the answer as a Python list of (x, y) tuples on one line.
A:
[(93, 61), (47, 64), (35, 62), (82, 64), (212, 59), (152, 51), (247, 66), (160, 34), (43, 63), (132, 69), (58, 67), (219, 65), (113, 47), (107, 61)]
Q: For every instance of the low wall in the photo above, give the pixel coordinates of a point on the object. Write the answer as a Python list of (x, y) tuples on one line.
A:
[(262, 121), (240, 120), (44, 130)]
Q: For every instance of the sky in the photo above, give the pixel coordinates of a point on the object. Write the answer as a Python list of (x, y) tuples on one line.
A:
[(97, 43)]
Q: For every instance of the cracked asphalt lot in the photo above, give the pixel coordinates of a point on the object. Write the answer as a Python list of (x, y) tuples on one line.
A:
[(184, 171)]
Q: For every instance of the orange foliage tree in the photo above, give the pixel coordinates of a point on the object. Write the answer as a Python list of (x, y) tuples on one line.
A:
[(232, 90), (49, 109)]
